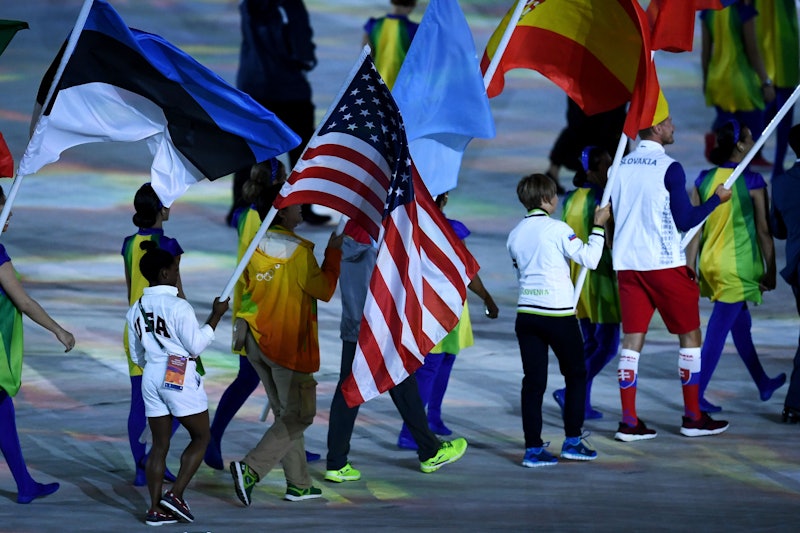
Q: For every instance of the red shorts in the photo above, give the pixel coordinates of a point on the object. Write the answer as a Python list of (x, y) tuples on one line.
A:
[(673, 291)]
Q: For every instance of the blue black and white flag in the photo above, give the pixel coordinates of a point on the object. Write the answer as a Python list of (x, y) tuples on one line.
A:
[(122, 84)]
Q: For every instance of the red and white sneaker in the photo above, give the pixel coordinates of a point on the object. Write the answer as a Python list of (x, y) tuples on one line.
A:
[(179, 507), (626, 433), (157, 518), (702, 427)]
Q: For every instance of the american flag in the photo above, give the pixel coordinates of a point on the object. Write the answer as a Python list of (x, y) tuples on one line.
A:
[(358, 163)]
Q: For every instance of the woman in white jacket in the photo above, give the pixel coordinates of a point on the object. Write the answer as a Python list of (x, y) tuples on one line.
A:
[(167, 341)]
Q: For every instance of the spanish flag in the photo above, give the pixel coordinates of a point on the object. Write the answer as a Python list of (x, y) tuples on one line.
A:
[(593, 49), (598, 51)]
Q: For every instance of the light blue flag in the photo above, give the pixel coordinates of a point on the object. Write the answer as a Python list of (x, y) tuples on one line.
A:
[(441, 96)]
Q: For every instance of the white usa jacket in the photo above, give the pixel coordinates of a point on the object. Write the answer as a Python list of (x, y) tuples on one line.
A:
[(540, 249), (175, 325)]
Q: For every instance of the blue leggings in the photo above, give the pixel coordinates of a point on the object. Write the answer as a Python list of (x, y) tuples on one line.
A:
[(600, 345), (733, 318), (233, 398)]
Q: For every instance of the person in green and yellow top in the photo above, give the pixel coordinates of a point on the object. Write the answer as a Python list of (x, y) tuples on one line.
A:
[(149, 218), (14, 302), (736, 259), (779, 42), (598, 308), (735, 80), (390, 37)]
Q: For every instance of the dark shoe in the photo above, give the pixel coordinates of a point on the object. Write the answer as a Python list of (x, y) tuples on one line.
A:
[(244, 479), (709, 407), (626, 433), (772, 385), (791, 415), (310, 217), (702, 427), (178, 506), (296, 494), (157, 518)]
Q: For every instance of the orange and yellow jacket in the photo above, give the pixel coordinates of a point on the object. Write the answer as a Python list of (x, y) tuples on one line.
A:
[(284, 282)]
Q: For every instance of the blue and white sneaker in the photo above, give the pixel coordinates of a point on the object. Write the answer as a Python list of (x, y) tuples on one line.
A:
[(577, 449), (536, 457)]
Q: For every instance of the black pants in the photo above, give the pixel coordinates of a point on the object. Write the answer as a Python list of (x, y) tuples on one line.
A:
[(536, 334), (407, 401)]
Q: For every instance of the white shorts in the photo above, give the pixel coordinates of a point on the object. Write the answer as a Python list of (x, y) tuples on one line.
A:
[(160, 401)]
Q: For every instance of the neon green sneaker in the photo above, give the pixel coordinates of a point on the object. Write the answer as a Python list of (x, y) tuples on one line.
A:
[(296, 494), (346, 473), (449, 452), (244, 479)]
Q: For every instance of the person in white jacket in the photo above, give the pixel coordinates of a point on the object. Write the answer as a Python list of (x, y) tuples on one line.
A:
[(541, 248), (167, 340)]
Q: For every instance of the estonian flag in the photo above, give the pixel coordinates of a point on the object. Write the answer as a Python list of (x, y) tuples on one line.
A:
[(122, 84)]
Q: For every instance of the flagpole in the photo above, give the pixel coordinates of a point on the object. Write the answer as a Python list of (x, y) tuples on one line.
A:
[(773, 124), (612, 176), (71, 43), (262, 230), (503, 44)]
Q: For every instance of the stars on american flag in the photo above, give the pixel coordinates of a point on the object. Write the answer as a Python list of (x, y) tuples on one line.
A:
[(368, 111)]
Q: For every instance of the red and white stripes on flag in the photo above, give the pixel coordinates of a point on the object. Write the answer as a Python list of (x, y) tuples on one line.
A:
[(345, 173), (415, 297), (359, 164)]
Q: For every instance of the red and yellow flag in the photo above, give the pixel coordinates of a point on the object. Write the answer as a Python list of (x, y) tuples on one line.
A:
[(598, 51), (593, 49)]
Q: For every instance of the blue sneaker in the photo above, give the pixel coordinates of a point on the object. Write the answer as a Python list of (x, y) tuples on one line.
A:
[(577, 449), (536, 457)]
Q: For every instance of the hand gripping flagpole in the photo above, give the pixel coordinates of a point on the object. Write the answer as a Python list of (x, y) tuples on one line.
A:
[(612, 176), (71, 43), (773, 124), (503, 44)]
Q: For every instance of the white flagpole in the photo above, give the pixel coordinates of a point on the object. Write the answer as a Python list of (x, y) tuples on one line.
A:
[(262, 230), (612, 176), (503, 44), (71, 43), (773, 124)]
